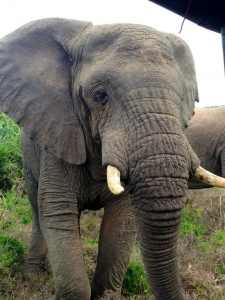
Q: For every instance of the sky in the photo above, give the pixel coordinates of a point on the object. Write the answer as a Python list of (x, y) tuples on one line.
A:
[(206, 45)]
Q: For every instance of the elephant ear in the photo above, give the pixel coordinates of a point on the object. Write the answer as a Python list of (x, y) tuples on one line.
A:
[(35, 85), (185, 62)]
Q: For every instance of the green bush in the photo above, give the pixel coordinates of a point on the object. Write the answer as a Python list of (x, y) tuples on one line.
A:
[(192, 221), (218, 239), (10, 153), (220, 270), (135, 281), (11, 252)]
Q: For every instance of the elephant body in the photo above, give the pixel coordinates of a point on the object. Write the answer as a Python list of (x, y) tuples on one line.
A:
[(89, 97), (206, 135), (77, 191)]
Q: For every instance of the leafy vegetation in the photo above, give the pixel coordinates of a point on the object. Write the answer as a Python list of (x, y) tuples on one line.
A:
[(11, 171), (135, 281), (11, 252), (192, 221)]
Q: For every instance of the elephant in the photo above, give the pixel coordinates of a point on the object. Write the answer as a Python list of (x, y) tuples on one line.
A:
[(102, 110), (206, 135)]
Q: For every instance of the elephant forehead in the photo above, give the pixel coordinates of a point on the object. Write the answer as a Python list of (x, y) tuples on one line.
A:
[(126, 41)]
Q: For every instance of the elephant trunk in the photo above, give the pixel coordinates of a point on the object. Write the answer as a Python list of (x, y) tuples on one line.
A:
[(158, 235), (158, 206), (159, 164)]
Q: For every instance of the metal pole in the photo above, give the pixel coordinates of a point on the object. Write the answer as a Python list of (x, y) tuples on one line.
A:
[(223, 43)]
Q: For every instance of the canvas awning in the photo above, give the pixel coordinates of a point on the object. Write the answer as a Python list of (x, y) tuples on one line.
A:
[(209, 14)]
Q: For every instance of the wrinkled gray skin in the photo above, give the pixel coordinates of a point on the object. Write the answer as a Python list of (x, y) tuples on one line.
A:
[(86, 97), (206, 134)]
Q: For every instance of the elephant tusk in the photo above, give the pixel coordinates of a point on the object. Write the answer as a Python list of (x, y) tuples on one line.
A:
[(209, 178), (113, 180)]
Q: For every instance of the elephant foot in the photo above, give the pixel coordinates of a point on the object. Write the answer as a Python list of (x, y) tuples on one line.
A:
[(31, 271), (46, 267)]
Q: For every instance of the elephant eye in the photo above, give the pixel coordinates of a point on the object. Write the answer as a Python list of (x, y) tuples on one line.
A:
[(101, 97)]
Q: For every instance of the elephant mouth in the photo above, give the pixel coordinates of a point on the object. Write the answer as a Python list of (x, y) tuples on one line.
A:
[(202, 175)]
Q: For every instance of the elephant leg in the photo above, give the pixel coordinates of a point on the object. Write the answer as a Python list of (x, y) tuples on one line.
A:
[(116, 242), (37, 250), (59, 219)]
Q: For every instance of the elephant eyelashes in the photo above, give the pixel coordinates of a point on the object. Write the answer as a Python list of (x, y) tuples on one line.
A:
[(101, 97)]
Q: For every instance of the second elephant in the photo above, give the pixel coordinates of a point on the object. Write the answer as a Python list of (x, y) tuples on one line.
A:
[(206, 135)]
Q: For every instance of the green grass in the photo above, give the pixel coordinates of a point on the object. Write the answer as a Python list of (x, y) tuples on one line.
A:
[(192, 221), (218, 239), (201, 245), (91, 241), (18, 211)]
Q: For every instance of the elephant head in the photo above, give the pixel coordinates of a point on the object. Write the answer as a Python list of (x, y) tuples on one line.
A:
[(111, 95)]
